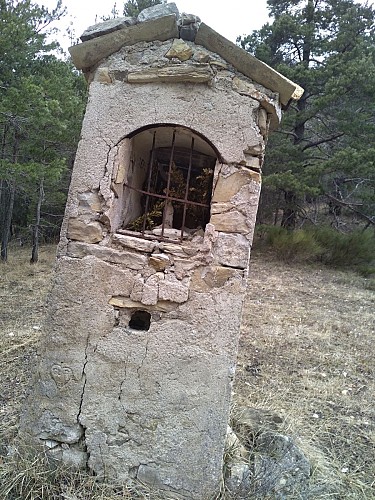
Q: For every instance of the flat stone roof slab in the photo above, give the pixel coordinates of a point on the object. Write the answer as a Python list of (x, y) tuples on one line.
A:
[(87, 54), (247, 64)]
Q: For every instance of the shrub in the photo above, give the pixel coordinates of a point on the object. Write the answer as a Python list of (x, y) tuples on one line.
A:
[(350, 250), (354, 250), (291, 246)]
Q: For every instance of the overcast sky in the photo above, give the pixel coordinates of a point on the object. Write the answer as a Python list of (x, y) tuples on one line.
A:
[(230, 19)]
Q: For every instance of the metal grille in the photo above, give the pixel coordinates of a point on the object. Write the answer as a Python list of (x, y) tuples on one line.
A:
[(176, 193)]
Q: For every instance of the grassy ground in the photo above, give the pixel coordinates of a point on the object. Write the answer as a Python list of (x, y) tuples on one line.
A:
[(306, 352)]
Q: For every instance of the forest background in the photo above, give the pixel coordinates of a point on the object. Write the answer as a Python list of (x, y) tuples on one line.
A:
[(318, 195)]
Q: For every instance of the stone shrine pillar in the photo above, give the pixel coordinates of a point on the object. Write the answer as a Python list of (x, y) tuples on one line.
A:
[(140, 345)]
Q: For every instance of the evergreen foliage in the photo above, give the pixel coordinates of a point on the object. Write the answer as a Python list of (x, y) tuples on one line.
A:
[(42, 100), (354, 250), (133, 7), (324, 149)]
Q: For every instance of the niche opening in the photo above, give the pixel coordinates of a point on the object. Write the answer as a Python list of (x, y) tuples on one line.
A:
[(140, 320), (169, 182)]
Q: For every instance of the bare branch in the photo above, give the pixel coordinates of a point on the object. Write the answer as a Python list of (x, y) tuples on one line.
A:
[(323, 141)]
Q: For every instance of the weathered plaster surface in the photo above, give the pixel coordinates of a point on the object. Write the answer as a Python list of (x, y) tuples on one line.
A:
[(149, 404)]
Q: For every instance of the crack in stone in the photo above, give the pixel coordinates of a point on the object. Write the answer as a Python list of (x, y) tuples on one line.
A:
[(122, 384), (144, 357), (217, 179), (193, 108), (84, 377)]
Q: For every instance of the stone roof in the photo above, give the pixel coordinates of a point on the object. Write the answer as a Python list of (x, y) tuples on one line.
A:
[(163, 22)]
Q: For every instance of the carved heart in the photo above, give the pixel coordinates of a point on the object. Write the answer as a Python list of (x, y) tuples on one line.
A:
[(61, 374)]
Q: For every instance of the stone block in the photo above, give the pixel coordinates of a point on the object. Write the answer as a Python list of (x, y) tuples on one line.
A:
[(230, 222), (179, 50), (102, 76), (157, 11), (253, 162), (226, 187), (184, 267), (221, 208), (106, 27), (169, 74), (56, 430), (89, 201), (282, 465), (89, 232), (188, 19), (137, 290), (248, 64), (188, 33), (232, 250), (173, 249), (129, 260), (139, 244), (150, 290), (127, 303), (205, 279), (159, 261), (74, 458), (263, 122), (174, 290), (87, 54), (270, 104), (201, 56), (254, 149)]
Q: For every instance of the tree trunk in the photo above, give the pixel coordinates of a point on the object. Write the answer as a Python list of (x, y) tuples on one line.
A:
[(35, 249), (8, 213), (7, 208), (290, 211)]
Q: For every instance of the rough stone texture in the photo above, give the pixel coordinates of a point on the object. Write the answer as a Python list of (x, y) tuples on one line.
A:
[(89, 202), (134, 243), (249, 65), (258, 420), (174, 74), (106, 27), (91, 232), (140, 344), (230, 185), (180, 50), (102, 76), (282, 469), (269, 103), (156, 11), (86, 54), (230, 222), (132, 260), (232, 250)]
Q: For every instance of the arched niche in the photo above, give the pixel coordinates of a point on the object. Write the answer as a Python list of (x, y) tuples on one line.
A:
[(163, 181)]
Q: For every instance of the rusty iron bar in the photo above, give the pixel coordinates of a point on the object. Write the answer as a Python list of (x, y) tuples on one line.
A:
[(187, 188), (168, 182), (149, 183), (171, 198)]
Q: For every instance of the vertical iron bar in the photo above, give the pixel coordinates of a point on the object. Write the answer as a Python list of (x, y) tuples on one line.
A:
[(168, 181), (187, 188), (149, 183)]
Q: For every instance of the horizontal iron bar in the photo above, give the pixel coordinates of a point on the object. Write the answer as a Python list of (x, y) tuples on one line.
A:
[(168, 198)]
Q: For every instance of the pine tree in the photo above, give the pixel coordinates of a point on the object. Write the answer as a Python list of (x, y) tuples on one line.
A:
[(325, 143), (133, 7), (41, 105)]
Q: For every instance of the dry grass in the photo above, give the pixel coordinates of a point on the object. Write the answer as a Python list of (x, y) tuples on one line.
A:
[(306, 352), (23, 290)]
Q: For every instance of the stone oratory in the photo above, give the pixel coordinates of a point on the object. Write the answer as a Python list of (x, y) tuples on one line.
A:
[(139, 353)]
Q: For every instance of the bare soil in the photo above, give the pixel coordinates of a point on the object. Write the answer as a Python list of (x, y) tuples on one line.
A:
[(306, 353)]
